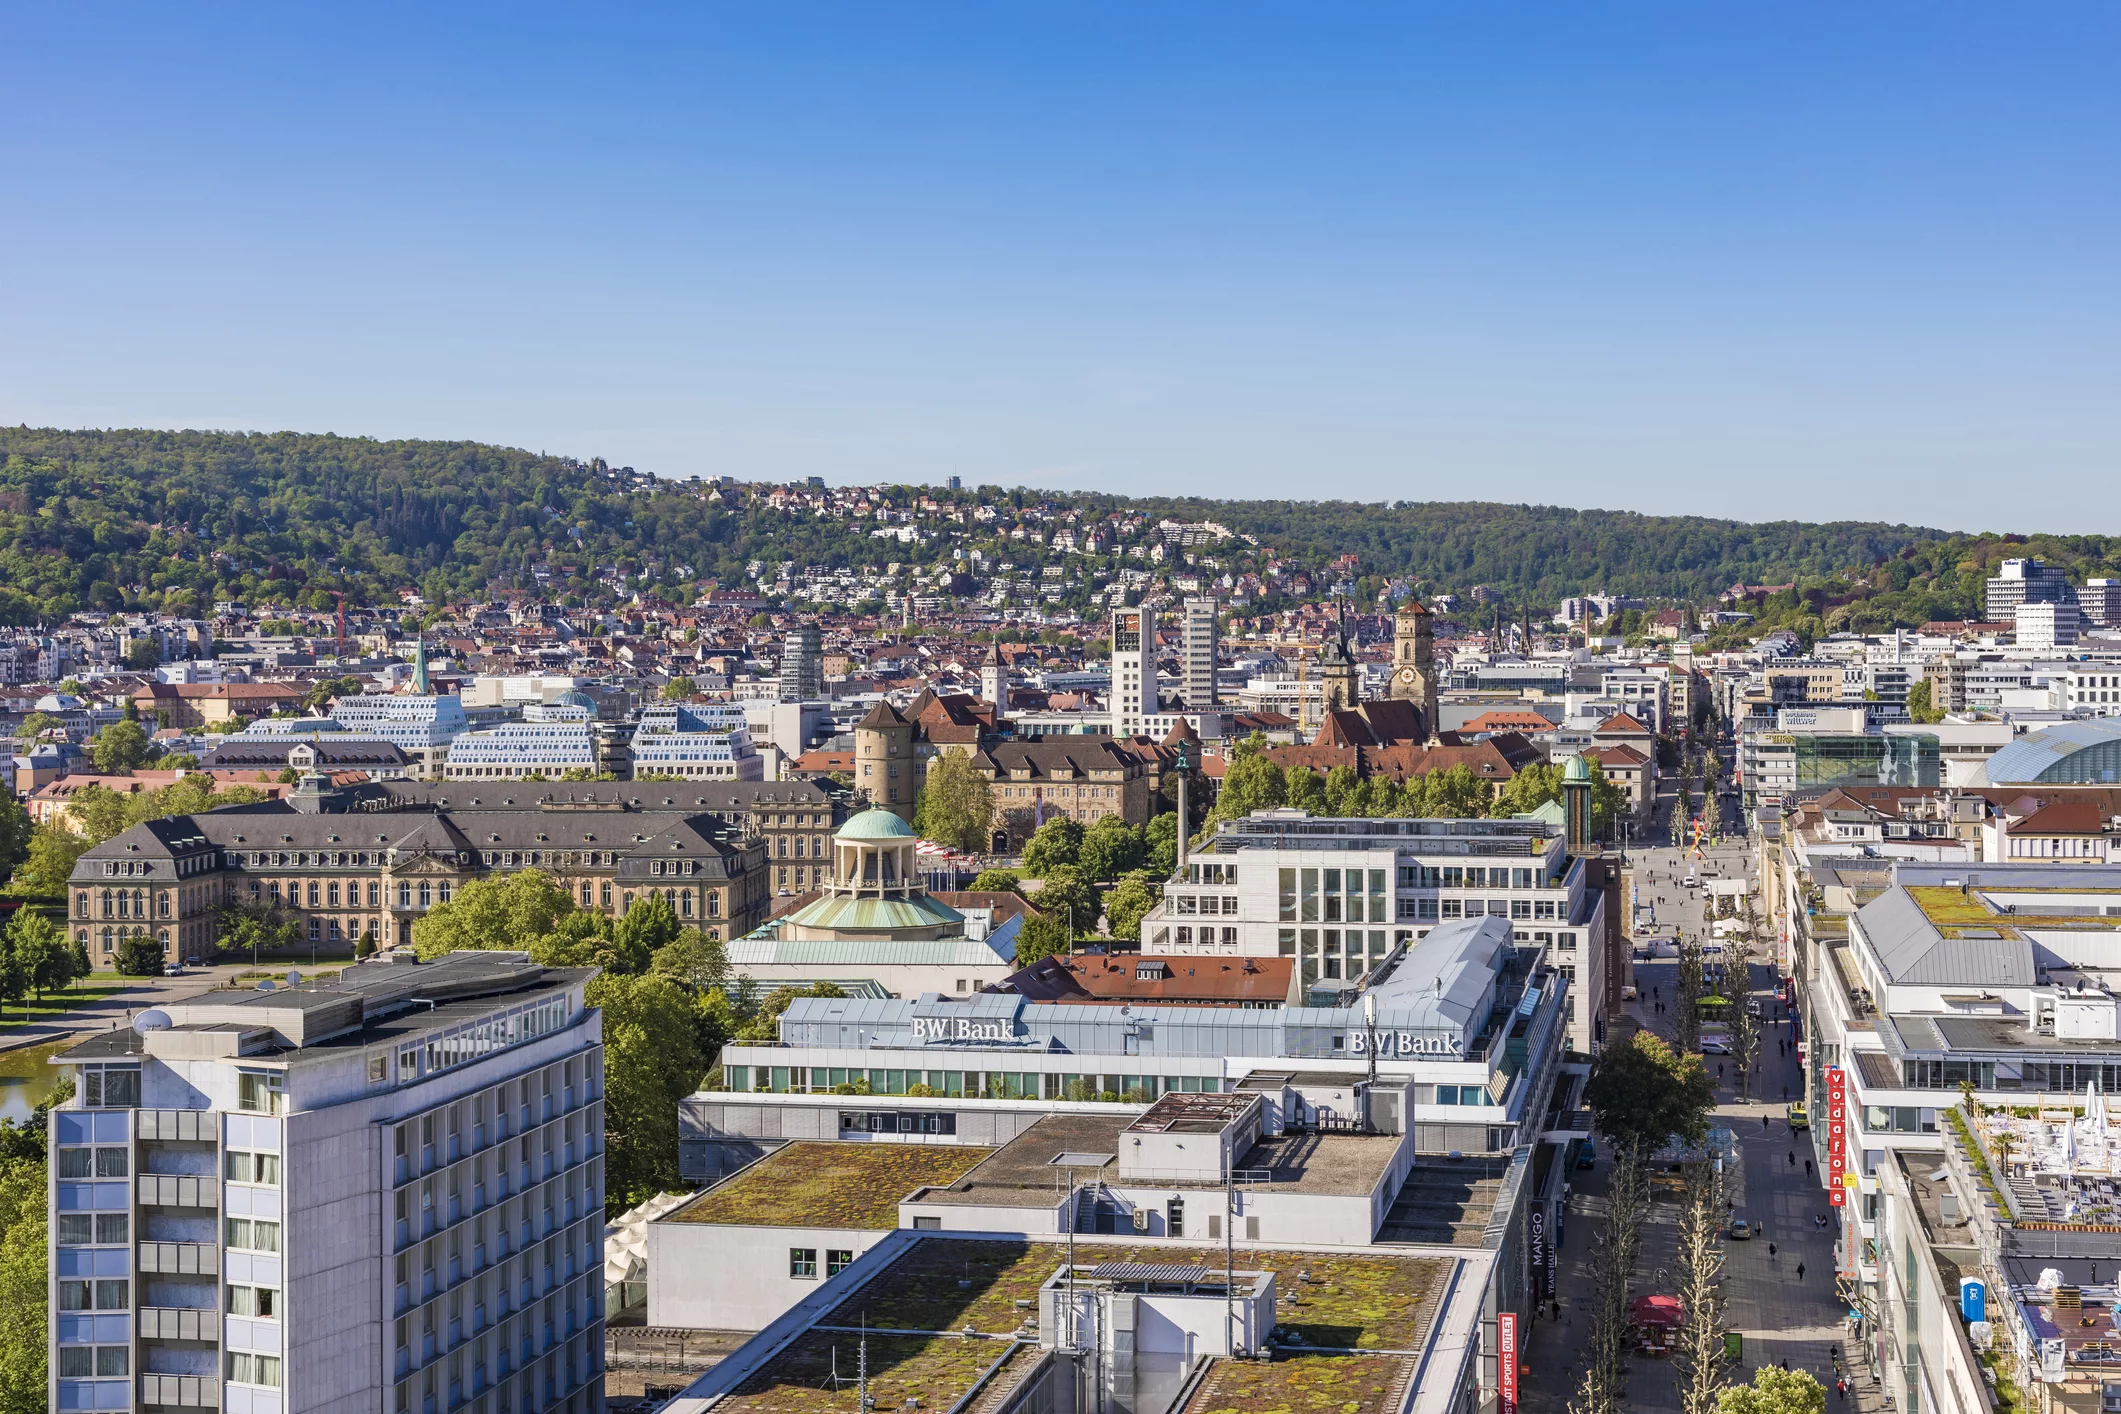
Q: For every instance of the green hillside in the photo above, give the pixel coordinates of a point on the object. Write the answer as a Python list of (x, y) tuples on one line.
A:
[(177, 520)]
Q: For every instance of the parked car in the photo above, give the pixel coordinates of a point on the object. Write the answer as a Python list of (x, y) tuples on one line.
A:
[(1587, 1156), (1754, 1008), (1799, 1117), (1714, 1046)]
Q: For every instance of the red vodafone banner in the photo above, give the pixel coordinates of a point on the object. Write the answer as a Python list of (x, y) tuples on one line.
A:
[(1837, 1136), (1506, 1358)]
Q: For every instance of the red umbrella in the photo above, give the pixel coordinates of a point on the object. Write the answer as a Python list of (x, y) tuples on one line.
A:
[(1655, 1311)]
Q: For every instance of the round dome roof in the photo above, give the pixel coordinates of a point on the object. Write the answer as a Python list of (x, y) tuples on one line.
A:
[(875, 823), (1578, 769), (571, 698)]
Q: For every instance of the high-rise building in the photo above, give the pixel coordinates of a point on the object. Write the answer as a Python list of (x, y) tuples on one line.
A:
[(2101, 601), (1133, 691), (382, 1192), (2025, 582), (803, 665), (2047, 625), (1202, 644)]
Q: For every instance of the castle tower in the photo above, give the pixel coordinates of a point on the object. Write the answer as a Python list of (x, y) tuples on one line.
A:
[(1338, 674), (994, 682), (1414, 660), (884, 762)]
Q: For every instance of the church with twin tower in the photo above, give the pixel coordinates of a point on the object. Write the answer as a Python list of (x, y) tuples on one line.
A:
[(1413, 678)]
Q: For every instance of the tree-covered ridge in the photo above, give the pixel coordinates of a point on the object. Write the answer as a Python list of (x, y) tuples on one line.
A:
[(179, 520)]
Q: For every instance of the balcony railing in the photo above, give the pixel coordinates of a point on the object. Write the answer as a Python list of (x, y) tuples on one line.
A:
[(180, 1258), (179, 1323), (197, 1126), (178, 1190), (183, 1391)]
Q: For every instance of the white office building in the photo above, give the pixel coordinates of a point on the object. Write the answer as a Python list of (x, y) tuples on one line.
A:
[(551, 740), (422, 725), (380, 1193), (1199, 651), (1132, 697), (697, 742), (2048, 625), (1342, 896)]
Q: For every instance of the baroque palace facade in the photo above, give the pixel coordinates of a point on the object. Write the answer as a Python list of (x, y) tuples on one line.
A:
[(369, 859)]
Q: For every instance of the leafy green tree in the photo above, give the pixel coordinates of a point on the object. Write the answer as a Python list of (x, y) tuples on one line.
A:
[(24, 1284), (1454, 794), (140, 956), (1160, 846), (16, 974), (956, 805), (1921, 703), (40, 946), (652, 1060), (1644, 1094), (679, 690), (693, 959), (321, 693), (647, 927), (764, 1022), (36, 724), (15, 831), (1529, 789), (1250, 782), (121, 748), (1066, 895), (504, 913), (1058, 843), (1111, 848), (258, 928), (996, 881), (1127, 903), (1306, 791), (1774, 1391), (144, 656), (43, 874), (1041, 936), (1343, 792)]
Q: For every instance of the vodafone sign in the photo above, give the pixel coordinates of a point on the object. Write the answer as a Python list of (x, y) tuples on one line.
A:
[(1837, 1135)]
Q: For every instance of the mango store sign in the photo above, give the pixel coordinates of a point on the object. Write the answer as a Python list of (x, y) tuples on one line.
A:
[(944, 1028), (1407, 1043)]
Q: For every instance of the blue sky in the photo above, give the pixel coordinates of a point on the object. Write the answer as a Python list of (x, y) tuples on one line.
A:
[(1816, 261)]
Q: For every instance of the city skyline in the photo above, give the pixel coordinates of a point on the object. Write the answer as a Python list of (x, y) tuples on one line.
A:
[(1764, 267)]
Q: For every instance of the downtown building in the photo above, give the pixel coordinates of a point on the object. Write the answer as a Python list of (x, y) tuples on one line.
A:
[(1340, 897), (382, 1192), (696, 742)]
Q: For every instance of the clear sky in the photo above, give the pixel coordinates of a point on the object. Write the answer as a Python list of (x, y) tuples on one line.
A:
[(1818, 261)]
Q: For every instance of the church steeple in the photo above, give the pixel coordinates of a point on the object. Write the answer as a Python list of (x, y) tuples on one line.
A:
[(1414, 661), (419, 664), (1337, 672)]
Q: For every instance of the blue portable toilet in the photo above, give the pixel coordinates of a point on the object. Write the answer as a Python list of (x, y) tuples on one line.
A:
[(1973, 1299)]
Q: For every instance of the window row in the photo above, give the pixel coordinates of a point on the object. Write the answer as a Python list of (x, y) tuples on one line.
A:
[(95, 1163), (802, 1262), (82, 1229)]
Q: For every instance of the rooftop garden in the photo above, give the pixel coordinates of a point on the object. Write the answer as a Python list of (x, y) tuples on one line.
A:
[(831, 1185), (1951, 910), (1328, 1384), (952, 1284)]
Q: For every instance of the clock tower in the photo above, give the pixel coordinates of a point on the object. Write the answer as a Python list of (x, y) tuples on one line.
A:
[(1414, 661)]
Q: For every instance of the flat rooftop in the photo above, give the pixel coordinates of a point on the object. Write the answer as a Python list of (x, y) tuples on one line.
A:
[(1967, 913), (1328, 1302), (1023, 1172), (829, 1184), (1184, 1112)]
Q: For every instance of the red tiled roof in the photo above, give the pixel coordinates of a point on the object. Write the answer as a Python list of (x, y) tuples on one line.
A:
[(1092, 979), (1618, 723), (1508, 722), (2061, 819)]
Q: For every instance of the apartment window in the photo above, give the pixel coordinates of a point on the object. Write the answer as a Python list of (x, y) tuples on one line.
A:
[(1565, 941), (260, 1301), (1310, 895), (109, 1295), (262, 1092), (82, 1360), (253, 1234), (245, 1368), (405, 895), (377, 1065), (802, 1263), (375, 895), (246, 1167), (110, 1087), (1288, 896), (837, 1260)]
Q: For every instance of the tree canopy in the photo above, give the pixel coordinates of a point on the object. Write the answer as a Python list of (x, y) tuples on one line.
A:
[(1644, 1094)]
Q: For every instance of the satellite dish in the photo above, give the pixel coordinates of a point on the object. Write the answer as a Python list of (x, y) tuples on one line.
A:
[(153, 1019), (266, 985), (294, 978)]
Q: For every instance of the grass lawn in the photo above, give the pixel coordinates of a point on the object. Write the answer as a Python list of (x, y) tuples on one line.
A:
[(55, 1003)]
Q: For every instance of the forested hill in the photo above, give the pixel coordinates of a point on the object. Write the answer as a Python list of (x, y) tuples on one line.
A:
[(108, 519)]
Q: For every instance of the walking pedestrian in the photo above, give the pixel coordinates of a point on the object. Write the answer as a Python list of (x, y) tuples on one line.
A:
[(1807, 1168), (1763, 1124), (1800, 1271), (1771, 1251), (1793, 1158), (1841, 1387)]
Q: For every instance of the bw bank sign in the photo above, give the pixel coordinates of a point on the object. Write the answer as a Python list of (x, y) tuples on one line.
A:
[(943, 1028), (1408, 1044)]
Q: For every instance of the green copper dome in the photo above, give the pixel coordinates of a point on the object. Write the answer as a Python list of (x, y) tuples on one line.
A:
[(1578, 769), (875, 823)]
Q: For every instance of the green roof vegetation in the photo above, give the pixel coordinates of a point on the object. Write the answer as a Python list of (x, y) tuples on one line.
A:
[(1951, 911), (830, 1185), (951, 1284)]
